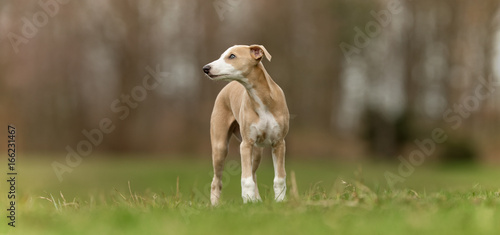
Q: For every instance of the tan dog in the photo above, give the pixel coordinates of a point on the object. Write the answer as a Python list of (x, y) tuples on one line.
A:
[(253, 108)]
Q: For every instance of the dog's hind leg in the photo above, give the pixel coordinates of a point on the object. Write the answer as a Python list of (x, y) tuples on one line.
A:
[(256, 156), (220, 132), (279, 171)]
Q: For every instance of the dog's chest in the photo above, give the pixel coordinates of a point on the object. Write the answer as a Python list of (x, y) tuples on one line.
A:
[(266, 131)]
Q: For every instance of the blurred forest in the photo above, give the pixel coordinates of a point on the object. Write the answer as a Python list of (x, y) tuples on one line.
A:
[(408, 72)]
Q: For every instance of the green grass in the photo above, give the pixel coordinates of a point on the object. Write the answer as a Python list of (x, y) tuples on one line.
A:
[(334, 198)]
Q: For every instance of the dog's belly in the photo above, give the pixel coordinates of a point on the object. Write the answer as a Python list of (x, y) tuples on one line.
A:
[(266, 132)]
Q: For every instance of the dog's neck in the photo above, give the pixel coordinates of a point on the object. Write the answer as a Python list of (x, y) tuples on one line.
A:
[(259, 86)]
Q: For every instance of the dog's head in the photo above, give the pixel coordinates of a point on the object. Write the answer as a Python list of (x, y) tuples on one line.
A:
[(236, 62)]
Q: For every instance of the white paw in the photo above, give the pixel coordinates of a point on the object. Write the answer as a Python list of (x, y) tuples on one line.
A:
[(248, 190), (215, 192), (214, 200), (279, 189)]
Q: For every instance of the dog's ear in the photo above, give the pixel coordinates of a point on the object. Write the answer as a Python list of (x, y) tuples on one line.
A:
[(257, 51)]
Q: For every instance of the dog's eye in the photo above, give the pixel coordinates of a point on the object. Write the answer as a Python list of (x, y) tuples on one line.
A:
[(232, 56)]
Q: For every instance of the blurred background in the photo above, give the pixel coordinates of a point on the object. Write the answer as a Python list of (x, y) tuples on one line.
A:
[(363, 79)]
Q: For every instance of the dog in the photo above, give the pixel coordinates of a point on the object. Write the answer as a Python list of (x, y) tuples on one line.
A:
[(252, 107)]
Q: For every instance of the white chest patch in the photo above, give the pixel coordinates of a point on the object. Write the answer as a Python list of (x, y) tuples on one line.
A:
[(266, 131)]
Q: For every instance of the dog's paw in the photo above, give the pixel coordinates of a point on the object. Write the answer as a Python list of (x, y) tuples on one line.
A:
[(279, 189)]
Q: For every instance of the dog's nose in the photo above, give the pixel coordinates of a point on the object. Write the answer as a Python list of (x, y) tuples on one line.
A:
[(206, 69)]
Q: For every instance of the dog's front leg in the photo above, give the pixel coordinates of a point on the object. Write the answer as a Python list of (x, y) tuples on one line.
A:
[(279, 170), (247, 183)]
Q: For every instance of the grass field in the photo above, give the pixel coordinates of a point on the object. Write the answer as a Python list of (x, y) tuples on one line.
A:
[(333, 198)]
